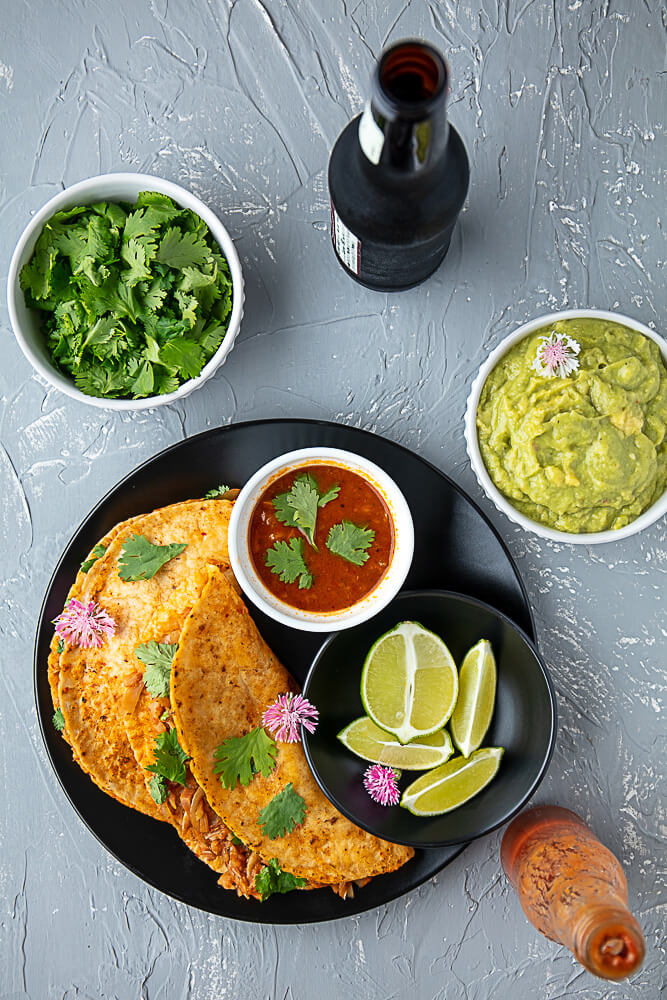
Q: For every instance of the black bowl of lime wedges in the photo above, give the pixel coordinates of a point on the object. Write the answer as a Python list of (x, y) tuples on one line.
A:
[(437, 720)]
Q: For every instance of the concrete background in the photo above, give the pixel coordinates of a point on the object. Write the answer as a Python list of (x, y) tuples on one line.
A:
[(560, 103)]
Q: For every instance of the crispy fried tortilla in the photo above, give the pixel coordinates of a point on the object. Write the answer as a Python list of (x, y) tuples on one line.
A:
[(186, 807), (223, 677), (95, 686), (131, 770), (75, 590)]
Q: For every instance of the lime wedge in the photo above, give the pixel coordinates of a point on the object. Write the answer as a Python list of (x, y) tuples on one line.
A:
[(450, 785), (477, 696), (409, 682), (368, 741)]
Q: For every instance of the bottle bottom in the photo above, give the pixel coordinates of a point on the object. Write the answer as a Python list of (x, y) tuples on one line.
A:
[(378, 283)]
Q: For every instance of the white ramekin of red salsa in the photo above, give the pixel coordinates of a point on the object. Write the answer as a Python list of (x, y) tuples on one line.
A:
[(321, 539)]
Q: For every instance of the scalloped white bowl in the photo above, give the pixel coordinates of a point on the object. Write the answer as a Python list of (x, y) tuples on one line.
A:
[(26, 323), (501, 502)]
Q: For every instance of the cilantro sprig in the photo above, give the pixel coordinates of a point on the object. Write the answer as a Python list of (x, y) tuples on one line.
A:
[(287, 560), (218, 491), (135, 299), (302, 499), (170, 760), (297, 508), (239, 758), (96, 554), (286, 810), (59, 719), (272, 879), (158, 657), (158, 789), (350, 541), (140, 559)]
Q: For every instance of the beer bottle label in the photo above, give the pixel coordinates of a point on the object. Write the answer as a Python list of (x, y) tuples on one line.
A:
[(346, 244), (371, 136)]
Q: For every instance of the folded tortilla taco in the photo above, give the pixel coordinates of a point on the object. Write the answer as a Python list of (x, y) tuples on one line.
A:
[(223, 677)]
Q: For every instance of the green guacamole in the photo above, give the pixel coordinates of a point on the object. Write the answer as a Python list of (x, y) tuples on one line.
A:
[(586, 452)]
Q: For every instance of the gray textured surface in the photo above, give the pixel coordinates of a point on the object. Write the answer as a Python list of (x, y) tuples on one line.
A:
[(560, 104)]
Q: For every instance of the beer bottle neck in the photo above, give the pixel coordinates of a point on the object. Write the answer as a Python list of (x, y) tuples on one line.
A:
[(404, 130), (608, 941)]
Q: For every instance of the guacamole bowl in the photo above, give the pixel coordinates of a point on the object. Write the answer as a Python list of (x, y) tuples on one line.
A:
[(568, 434)]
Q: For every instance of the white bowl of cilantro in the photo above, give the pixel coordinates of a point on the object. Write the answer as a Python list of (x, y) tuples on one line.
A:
[(125, 292)]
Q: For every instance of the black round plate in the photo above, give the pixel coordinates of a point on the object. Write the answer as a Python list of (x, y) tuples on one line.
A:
[(524, 720), (455, 547)]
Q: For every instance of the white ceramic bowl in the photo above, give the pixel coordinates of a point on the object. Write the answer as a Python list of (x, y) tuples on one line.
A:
[(309, 621), (26, 323), (654, 512)]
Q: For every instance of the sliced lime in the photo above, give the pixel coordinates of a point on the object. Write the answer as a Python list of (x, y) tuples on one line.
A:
[(368, 741), (477, 697), (409, 683), (450, 785)]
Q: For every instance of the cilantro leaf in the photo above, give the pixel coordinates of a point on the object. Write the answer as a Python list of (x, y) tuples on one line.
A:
[(286, 558), (60, 647), (303, 499), (154, 296), (349, 541), (239, 758), (182, 355), (165, 715), (298, 507), (144, 381), (101, 332), (140, 559), (160, 203), (134, 255), (158, 789), (59, 720), (158, 657), (37, 275), (142, 222), (286, 810), (237, 841), (170, 758), (272, 879), (182, 249), (96, 554), (218, 491), (283, 511), (327, 497)]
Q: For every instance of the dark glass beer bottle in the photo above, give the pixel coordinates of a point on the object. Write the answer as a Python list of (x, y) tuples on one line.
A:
[(398, 174)]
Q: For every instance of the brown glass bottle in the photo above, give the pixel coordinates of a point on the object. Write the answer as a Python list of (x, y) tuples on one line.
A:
[(573, 889), (398, 174)]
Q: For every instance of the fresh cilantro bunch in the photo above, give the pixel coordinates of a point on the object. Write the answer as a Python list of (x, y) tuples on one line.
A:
[(137, 298)]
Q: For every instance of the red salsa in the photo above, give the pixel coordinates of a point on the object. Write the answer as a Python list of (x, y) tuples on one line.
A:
[(353, 520)]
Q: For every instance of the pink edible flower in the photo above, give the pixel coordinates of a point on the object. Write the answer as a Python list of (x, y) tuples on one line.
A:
[(380, 783), (84, 625), (286, 714), (556, 356)]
